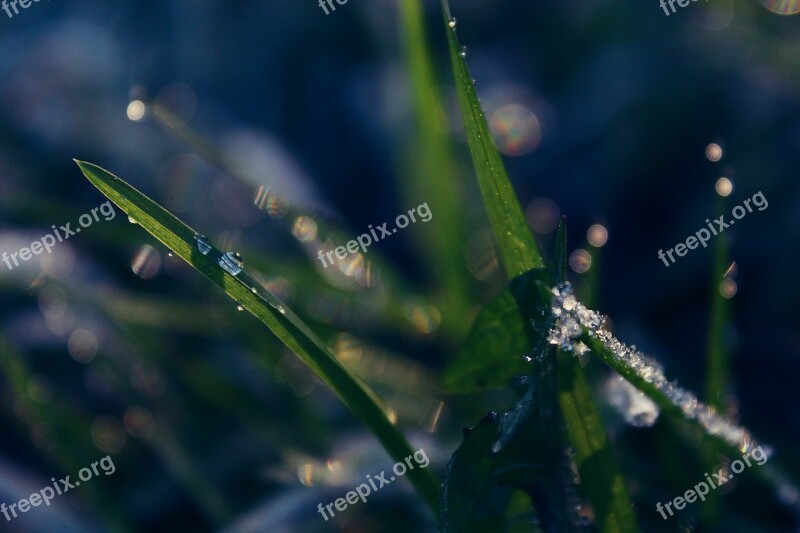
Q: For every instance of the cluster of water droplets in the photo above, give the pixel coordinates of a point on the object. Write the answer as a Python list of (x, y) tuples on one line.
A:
[(573, 319)]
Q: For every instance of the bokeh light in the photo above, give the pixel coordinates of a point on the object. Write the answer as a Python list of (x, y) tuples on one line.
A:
[(580, 261), (723, 186), (597, 235), (713, 152), (515, 129)]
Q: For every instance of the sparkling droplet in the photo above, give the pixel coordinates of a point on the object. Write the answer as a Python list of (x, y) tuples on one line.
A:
[(132, 220), (240, 307), (253, 290), (170, 254), (452, 23), (203, 244), (231, 262), (463, 51)]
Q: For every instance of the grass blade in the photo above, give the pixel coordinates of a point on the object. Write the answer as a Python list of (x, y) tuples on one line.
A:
[(518, 250), (180, 239), (603, 483), (432, 174), (601, 480)]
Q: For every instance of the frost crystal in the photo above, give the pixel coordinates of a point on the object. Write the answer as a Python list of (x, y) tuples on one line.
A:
[(572, 319)]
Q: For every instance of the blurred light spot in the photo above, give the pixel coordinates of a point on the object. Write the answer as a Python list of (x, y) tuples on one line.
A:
[(783, 7), (580, 261), (515, 129), (147, 262), (713, 152), (597, 235), (136, 110), (305, 474), (348, 349), (352, 264), (261, 197), (426, 318), (281, 288), (543, 215), (731, 271), (724, 186), (481, 256), (108, 434), (82, 345), (138, 422), (437, 415), (275, 206), (334, 466), (391, 414), (39, 389), (304, 229), (728, 288)]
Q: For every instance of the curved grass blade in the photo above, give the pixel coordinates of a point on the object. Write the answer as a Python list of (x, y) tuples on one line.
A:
[(518, 249), (180, 239)]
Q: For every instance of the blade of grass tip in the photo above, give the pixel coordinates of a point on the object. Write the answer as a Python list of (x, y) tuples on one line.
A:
[(594, 456), (518, 249), (432, 175), (181, 240)]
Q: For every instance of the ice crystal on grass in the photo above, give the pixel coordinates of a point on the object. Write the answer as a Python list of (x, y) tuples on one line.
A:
[(573, 320)]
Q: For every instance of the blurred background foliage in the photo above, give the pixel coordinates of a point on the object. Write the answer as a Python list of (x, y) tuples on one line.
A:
[(276, 130)]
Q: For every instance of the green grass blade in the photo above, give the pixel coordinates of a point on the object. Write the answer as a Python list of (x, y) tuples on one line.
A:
[(717, 375), (594, 456), (180, 239), (431, 175), (517, 247)]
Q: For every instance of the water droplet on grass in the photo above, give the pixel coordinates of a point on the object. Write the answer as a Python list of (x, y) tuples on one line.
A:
[(452, 23), (132, 220), (203, 244), (231, 262)]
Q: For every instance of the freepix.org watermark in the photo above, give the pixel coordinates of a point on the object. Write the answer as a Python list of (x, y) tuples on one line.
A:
[(364, 490), (365, 239), (701, 489), (703, 236), (8, 5), (59, 487), (47, 242)]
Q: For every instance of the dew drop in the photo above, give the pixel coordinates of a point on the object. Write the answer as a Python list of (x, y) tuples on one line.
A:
[(253, 290), (203, 244), (132, 220), (463, 51), (231, 262), (240, 307), (452, 23)]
